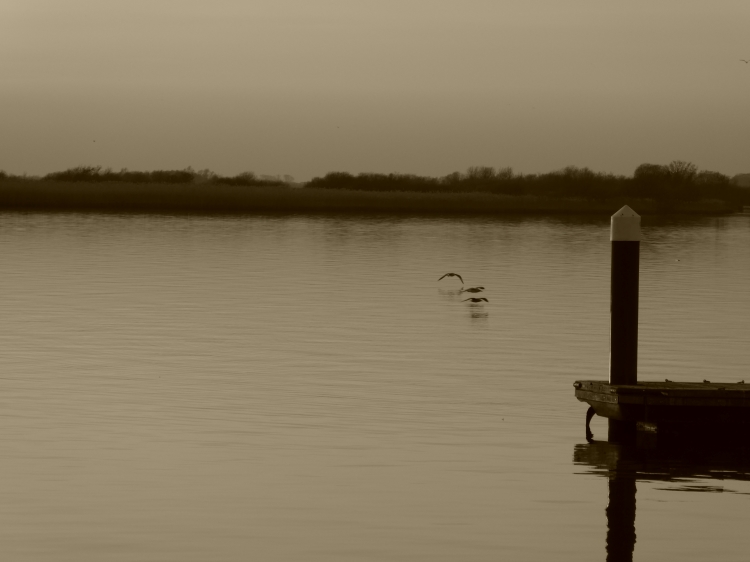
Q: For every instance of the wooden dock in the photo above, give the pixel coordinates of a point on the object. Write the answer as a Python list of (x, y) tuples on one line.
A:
[(670, 407), (645, 410)]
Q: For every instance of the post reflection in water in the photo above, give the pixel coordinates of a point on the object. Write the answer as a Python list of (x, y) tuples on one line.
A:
[(625, 464), (621, 507)]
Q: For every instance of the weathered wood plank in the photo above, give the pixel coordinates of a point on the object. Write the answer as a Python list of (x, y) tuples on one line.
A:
[(673, 402)]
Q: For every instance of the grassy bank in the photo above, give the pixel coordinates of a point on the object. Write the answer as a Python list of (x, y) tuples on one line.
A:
[(120, 197)]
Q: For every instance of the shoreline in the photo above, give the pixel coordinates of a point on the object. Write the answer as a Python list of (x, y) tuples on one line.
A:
[(209, 199)]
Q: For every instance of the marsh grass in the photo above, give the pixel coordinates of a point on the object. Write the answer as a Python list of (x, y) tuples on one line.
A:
[(121, 197)]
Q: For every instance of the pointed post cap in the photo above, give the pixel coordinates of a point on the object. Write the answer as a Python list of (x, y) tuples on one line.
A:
[(626, 226)]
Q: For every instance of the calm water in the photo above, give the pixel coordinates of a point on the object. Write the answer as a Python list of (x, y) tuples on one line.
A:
[(302, 388)]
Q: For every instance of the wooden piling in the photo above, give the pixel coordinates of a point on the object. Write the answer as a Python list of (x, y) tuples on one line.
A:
[(625, 234)]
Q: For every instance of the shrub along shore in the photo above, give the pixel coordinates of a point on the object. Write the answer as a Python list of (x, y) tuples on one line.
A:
[(675, 189)]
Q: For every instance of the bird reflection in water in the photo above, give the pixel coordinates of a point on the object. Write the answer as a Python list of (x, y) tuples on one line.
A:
[(449, 293), (625, 464)]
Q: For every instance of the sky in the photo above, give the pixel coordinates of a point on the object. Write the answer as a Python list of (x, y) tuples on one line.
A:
[(306, 87)]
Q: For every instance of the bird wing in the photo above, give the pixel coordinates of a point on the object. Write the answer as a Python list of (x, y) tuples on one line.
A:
[(461, 278), (444, 276)]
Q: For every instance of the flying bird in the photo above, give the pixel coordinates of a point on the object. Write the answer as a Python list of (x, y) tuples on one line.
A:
[(474, 299), (745, 61), (453, 275), (473, 290)]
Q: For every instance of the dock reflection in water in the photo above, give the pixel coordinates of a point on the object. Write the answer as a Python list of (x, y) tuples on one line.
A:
[(624, 464)]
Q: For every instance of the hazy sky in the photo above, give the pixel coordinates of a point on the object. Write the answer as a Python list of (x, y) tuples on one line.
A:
[(304, 87)]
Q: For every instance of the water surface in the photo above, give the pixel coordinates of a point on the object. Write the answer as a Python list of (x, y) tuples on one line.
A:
[(303, 388)]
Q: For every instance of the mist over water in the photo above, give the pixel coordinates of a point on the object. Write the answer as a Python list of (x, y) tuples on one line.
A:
[(303, 388)]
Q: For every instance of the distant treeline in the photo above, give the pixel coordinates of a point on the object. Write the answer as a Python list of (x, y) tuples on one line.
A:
[(95, 174), (678, 187), (667, 185)]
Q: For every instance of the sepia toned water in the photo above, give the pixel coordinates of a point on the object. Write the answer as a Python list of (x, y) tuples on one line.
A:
[(303, 388)]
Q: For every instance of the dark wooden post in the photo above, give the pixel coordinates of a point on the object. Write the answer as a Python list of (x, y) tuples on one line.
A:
[(625, 235), (623, 334)]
